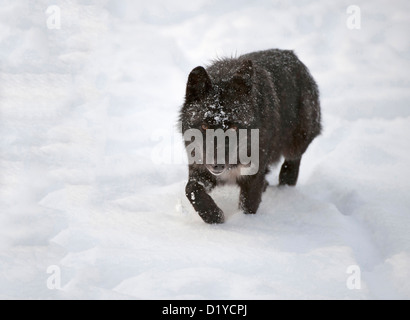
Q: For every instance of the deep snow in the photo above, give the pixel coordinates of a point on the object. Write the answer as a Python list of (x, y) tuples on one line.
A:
[(92, 170)]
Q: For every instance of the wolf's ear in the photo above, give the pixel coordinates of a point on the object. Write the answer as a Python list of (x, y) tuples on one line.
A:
[(199, 84), (242, 79)]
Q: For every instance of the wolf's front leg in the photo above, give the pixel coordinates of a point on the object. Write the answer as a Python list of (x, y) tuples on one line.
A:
[(289, 172), (203, 203), (251, 193)]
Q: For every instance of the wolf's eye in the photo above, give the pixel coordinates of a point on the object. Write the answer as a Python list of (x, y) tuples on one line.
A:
[(204, 126)]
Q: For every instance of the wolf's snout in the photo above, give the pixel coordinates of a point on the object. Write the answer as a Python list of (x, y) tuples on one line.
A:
[(216, 169)]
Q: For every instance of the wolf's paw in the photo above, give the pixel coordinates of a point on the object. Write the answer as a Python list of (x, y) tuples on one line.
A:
[(248, 207), (213, 217), (248, 211)]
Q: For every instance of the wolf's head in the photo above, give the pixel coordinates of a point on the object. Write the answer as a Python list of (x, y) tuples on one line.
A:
[(220, 100)]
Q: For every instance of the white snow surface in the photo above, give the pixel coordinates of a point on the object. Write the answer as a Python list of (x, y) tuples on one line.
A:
[(92, 168)]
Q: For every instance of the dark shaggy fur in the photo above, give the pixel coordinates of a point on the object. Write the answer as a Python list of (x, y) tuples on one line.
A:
[(272, 91)]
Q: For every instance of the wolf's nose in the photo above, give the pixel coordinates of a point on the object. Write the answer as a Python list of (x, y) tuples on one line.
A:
[(218, 167)]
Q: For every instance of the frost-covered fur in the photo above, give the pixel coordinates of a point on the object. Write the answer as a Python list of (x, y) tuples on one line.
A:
[(272, 91)]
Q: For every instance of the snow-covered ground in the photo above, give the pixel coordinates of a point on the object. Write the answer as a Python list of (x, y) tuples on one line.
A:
[(91, 173)]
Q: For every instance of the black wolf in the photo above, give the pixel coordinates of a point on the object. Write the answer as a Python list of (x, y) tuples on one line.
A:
[(272, 91)]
